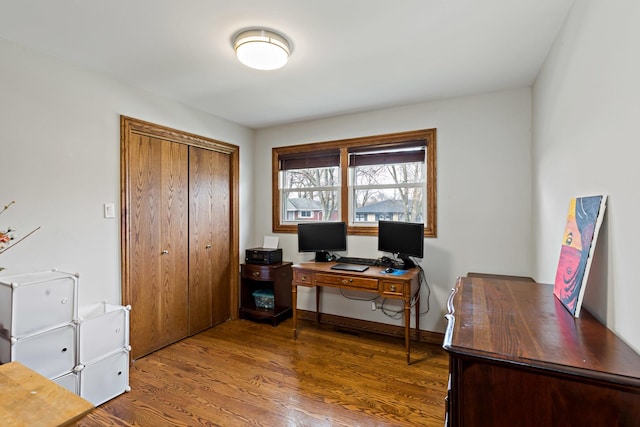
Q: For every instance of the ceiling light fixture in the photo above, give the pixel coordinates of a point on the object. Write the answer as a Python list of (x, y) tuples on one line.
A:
[(261, 49)]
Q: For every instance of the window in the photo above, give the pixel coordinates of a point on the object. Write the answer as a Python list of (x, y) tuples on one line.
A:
[(387, 183), (310, 185), (359, 181)]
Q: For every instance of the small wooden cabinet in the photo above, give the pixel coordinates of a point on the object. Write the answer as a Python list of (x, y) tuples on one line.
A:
[(272, 277)]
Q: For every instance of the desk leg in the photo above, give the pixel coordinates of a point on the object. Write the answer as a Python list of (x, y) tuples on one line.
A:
[(294, 301), (407, 327), (318, 304), (418, 317)]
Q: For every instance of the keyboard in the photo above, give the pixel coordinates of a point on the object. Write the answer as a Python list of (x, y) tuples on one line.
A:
[(357, 261), (350, 267)]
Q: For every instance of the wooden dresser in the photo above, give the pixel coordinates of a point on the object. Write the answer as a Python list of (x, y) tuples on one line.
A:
[(518, 357)]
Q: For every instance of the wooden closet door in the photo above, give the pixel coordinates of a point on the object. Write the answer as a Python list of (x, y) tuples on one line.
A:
[(209, 234), (157, 235)]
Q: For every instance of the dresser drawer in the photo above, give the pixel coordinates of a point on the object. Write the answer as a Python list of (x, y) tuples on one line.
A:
[(303, 278), (257, 272), (391, 288), (344, 280)]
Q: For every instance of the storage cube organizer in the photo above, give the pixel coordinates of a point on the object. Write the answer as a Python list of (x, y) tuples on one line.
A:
[(50, 353), (68, 381), (103, 353), (106, 378), (264, 299), (104, 328), (85, 351), (36, 301)]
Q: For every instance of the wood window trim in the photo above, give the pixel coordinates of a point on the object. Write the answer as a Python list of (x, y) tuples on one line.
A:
[(345, 145)]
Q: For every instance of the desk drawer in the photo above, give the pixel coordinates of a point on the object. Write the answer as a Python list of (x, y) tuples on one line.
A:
[(303, 278), (350, 281), (392, 288), (257, 272)]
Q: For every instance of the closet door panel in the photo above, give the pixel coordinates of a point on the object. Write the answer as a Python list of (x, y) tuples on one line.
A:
[(158, 215), (222, 260), (209, 238), (201, 239)]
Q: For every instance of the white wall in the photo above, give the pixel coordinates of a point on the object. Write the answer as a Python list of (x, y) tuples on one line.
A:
[(60, 162), (484, 191), (586, 105)]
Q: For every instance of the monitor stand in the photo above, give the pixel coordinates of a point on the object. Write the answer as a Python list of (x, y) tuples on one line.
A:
[(324, 256), (407, 263)]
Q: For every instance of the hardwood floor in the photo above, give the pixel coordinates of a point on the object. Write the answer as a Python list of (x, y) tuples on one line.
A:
[(244, 373)]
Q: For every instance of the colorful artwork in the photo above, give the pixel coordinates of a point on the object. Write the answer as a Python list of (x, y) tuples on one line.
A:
[(578, 243)]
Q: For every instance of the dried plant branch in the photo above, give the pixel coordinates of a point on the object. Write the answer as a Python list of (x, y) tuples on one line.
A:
[(18, 241), (7, 206)]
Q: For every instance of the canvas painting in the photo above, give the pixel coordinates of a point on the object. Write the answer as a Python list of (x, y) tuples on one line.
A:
[(578, 244)]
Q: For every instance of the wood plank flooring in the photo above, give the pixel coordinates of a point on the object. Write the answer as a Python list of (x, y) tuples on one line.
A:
[(244, 373)]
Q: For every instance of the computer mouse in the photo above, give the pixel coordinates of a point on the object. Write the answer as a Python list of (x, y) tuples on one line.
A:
[(388, 270)]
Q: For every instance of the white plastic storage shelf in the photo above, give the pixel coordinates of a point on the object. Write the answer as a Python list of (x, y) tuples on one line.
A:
[(105, 379), (103, 352), (68, 381), (50, 353), (36, 301), (104, 328)]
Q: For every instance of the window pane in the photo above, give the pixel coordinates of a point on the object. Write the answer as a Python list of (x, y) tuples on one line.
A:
[(399, 173), (313, 177), (394, 204), (311, 205)]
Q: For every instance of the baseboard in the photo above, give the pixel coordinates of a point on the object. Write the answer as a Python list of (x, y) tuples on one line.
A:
[(369, 326)]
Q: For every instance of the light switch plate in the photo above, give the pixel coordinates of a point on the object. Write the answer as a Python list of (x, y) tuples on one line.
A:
[(109, 210)]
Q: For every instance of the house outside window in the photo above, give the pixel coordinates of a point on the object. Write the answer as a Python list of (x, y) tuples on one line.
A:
[(359, 181)]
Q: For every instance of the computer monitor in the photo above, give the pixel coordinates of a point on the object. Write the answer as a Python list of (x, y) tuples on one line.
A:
[(403, 239), (322, 238)]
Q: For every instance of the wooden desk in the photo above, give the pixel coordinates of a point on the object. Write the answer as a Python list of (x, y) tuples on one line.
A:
[(518, 357), (29, 399), (320, 274)]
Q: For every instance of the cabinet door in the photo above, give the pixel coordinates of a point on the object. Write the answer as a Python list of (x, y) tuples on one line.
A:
[(105, 379), (157, 235), (209, 237), (102, 334), (50, 353)]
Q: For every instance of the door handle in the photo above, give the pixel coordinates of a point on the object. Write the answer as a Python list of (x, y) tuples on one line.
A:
[(208, 247), (165, 252)]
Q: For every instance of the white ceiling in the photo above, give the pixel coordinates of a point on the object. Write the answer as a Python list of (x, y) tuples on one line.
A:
[(348, 55)]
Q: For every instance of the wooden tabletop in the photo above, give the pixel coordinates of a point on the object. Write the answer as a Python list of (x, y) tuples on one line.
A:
[(29, 399), (373, 271), (524, 323)]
